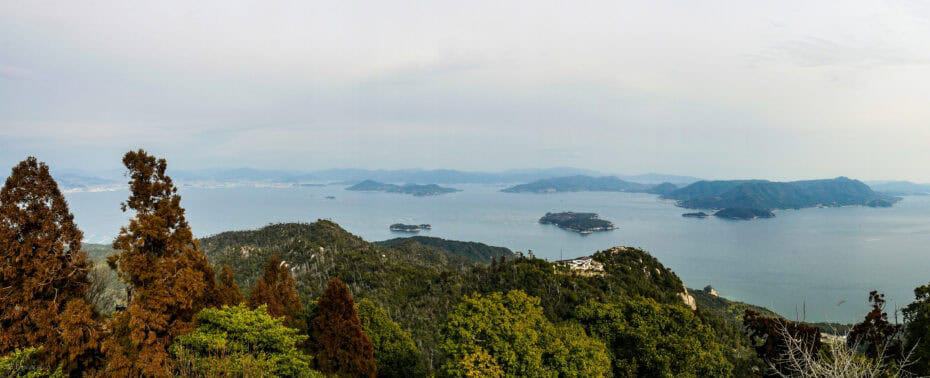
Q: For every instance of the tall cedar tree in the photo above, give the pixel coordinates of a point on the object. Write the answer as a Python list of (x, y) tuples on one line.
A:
[(43, 271), (228, 293), (167, 276), (341, 345), (277, 289)]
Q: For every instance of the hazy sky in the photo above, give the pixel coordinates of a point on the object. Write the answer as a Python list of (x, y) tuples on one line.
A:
[(777, 89)]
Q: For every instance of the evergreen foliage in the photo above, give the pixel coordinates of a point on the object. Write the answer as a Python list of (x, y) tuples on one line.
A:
[(650, 339), (168, 278), (42, 268), (396, 353), (917, 330), (509, 333), (340, 343), (237, 341), (26, 363), (277, 290), (228, 293)]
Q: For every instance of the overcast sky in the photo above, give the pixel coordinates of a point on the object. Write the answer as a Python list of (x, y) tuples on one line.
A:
[(723, 89)]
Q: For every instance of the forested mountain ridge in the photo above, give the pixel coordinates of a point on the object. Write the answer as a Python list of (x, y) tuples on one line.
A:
[(419, 285), (761, 194), (474, 251)]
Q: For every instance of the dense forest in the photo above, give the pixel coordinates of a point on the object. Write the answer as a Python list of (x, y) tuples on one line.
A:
[(312, 299), (767, 195)]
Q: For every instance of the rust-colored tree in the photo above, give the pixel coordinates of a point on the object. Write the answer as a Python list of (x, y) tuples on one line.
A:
[(168, 278), (876, 335), (227, 291), (277, 289), (42, 269), (341, 345)]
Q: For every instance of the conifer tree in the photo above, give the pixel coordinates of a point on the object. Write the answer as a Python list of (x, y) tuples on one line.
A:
[(228, 292), (42, 269), (168, 277), (277, 290), (341, 345)]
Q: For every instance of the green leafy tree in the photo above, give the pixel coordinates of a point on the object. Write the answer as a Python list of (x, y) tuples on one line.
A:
[(42, 270), (237, 341), (649, 339), (508, 333), (167, 276), (25, 363), (342, 348), (395, 351)]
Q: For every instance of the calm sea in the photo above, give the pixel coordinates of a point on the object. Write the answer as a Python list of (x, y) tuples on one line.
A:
[(824, 260)]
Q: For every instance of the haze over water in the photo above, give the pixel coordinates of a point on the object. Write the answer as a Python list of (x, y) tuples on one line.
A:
[(826, 260)]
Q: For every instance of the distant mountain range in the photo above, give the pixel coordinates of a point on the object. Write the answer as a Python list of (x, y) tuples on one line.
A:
[(412, 189), (582, 183), (74, 179), (767, 195)]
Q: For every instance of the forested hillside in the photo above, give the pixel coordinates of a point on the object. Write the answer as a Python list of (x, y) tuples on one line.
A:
[(766, 195), (313, 299)]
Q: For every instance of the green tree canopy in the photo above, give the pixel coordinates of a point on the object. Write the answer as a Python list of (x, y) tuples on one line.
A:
[(649, 339), (395, 351), (508, 334), (237, 341)]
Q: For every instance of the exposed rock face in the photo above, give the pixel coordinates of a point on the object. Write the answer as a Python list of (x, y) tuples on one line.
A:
[(687, 298), (588, 266), (709, 290)]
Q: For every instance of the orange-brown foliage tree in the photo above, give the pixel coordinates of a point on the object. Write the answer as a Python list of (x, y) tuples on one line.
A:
[(42, 270), (168, 277), (228, 292), (277, 289), (341, 345)]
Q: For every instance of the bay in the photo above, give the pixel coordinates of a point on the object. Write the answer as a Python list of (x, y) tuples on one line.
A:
[(817, 264)]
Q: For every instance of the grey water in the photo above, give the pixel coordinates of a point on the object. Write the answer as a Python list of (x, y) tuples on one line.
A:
[(824, 260)]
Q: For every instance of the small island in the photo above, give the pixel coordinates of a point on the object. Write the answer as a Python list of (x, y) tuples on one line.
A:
[(744, 214), (583, 223), (412, 189), (410, 228), (700, 214)]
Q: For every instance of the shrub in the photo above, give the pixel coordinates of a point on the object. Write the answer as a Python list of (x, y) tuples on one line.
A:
[(237, 341)]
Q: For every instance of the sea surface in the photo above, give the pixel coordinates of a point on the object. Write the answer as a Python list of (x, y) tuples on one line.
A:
[(817, 264)]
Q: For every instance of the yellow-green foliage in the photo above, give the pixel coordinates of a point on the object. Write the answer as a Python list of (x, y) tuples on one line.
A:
[(508, 334), (237, 341), (395, 351), (25, 363), (650, 339)]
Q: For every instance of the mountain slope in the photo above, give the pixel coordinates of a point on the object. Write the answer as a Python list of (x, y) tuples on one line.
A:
[(759, 194)]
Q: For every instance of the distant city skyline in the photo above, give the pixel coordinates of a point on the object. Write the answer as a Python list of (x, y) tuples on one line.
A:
[(721, 89)]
